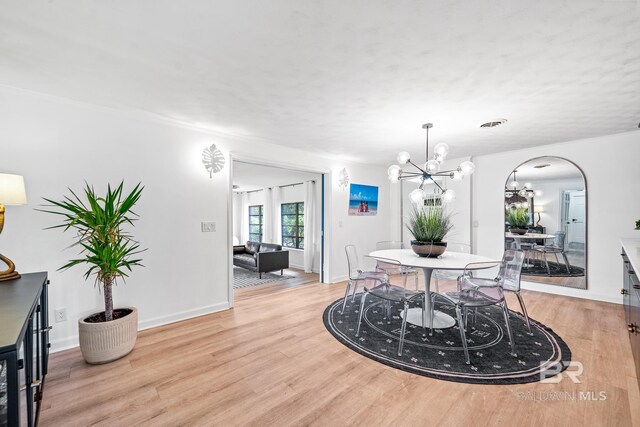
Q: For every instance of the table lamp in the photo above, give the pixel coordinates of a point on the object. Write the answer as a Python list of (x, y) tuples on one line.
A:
[(12, 192), (538, 209)]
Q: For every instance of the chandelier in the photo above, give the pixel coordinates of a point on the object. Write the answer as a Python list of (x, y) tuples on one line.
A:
[(429, 171), (516, 196)]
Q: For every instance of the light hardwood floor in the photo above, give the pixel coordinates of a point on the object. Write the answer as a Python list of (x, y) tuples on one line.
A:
[(270, 361)]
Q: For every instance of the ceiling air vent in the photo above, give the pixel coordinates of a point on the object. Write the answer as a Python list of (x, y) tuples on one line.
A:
[(493, 123)]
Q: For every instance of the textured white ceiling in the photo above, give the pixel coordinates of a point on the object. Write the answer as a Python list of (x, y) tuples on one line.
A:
[(250, 176), (350, 78)]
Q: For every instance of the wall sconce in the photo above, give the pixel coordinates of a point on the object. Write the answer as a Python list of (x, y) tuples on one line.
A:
[(12, 192), (343, 178), (212, 159)]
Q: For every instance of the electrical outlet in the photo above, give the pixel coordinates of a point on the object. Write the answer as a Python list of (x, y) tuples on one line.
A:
[(208, 227), (60, 315)]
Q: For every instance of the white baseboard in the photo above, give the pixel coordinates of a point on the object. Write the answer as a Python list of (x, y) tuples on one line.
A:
[(72, 342), (336, 279), (301, 267), (571, 292)]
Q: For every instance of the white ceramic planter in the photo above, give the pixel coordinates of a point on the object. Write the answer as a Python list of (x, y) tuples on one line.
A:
[(107, 341)]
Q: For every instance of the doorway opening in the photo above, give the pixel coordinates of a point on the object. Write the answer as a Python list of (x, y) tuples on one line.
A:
[(277, 227)]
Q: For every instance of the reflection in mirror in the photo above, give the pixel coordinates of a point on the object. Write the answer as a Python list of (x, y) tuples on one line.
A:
[(546, 217)]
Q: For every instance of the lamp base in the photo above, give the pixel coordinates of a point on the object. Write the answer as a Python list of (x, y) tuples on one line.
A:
[(10, 273)]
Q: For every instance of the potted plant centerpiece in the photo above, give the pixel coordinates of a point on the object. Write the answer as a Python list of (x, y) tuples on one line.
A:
[(109, 252), (518, 220), (429, 226)]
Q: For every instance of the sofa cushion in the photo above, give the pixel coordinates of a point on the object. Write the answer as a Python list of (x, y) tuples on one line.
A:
[(252, 247), (245, 259), (270, 247)]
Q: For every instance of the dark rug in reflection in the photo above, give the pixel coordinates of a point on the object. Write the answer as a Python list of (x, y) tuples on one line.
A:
[(540, 353), (537, 267)]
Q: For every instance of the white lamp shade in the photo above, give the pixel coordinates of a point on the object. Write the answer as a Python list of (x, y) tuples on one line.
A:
[(432, 166), (467, 168), (448, 196), (12, 190), (403, 157), (441, 149), (394, 173), (417, 196)]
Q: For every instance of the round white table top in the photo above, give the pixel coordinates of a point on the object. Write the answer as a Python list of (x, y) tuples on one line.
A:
[(447, 261), (529, 236)]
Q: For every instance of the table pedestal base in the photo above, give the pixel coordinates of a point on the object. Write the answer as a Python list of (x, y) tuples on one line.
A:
[(440, 320)]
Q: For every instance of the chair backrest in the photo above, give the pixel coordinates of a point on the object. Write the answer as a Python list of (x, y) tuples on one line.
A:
[(510, 269), (459, 247), (558, 240), (352, 261), (389, 244)]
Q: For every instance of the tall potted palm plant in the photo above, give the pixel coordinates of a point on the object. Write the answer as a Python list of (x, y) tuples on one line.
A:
[(109, 252)]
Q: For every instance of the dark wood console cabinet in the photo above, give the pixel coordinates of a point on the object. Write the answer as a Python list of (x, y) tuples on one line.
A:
[(24, 348), (631, 298)]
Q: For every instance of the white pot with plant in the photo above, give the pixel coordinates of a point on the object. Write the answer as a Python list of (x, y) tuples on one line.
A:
[(109, 252)]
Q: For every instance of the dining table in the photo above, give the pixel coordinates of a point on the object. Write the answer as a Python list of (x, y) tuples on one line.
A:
[(449, 260), (518, 238)]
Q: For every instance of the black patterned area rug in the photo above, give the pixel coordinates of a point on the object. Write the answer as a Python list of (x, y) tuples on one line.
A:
[(538, 268), (539, 353), (243, 278)]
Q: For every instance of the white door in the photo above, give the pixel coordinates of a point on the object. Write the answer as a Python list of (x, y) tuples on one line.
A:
[(574, 209)]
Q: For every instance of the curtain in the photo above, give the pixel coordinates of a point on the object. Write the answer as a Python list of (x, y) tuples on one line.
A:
[(244, 218), (267, 218), (309, 225), (276, 220)]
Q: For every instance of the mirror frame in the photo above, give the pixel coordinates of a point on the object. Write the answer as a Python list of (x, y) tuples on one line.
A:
[(586, 215)]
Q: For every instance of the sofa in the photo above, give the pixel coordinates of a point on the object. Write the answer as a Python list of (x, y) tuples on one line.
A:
[(260, 257)]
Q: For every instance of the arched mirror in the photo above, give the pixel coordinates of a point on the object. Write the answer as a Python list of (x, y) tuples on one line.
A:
[(546, 217)]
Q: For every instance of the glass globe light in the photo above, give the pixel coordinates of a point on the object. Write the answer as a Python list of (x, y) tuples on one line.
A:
[(394, 173), (466, 168), (439, 158), (403, 157), (508, 194), (441, 149), (432, 166), (456, 176), (417, 196), (523, 193), (448, 196), (514, 184)]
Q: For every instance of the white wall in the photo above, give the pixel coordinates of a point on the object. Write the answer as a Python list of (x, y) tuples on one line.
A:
[(610, 165), (57, 143)]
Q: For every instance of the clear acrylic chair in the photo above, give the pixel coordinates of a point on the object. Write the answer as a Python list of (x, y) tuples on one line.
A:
[(391, 293), (528, 245), (356, 275), (557, 247), (477, 292), (394, 269), (449, 274)]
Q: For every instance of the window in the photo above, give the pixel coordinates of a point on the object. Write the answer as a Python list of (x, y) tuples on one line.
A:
[(293, 225), (255, 223)]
